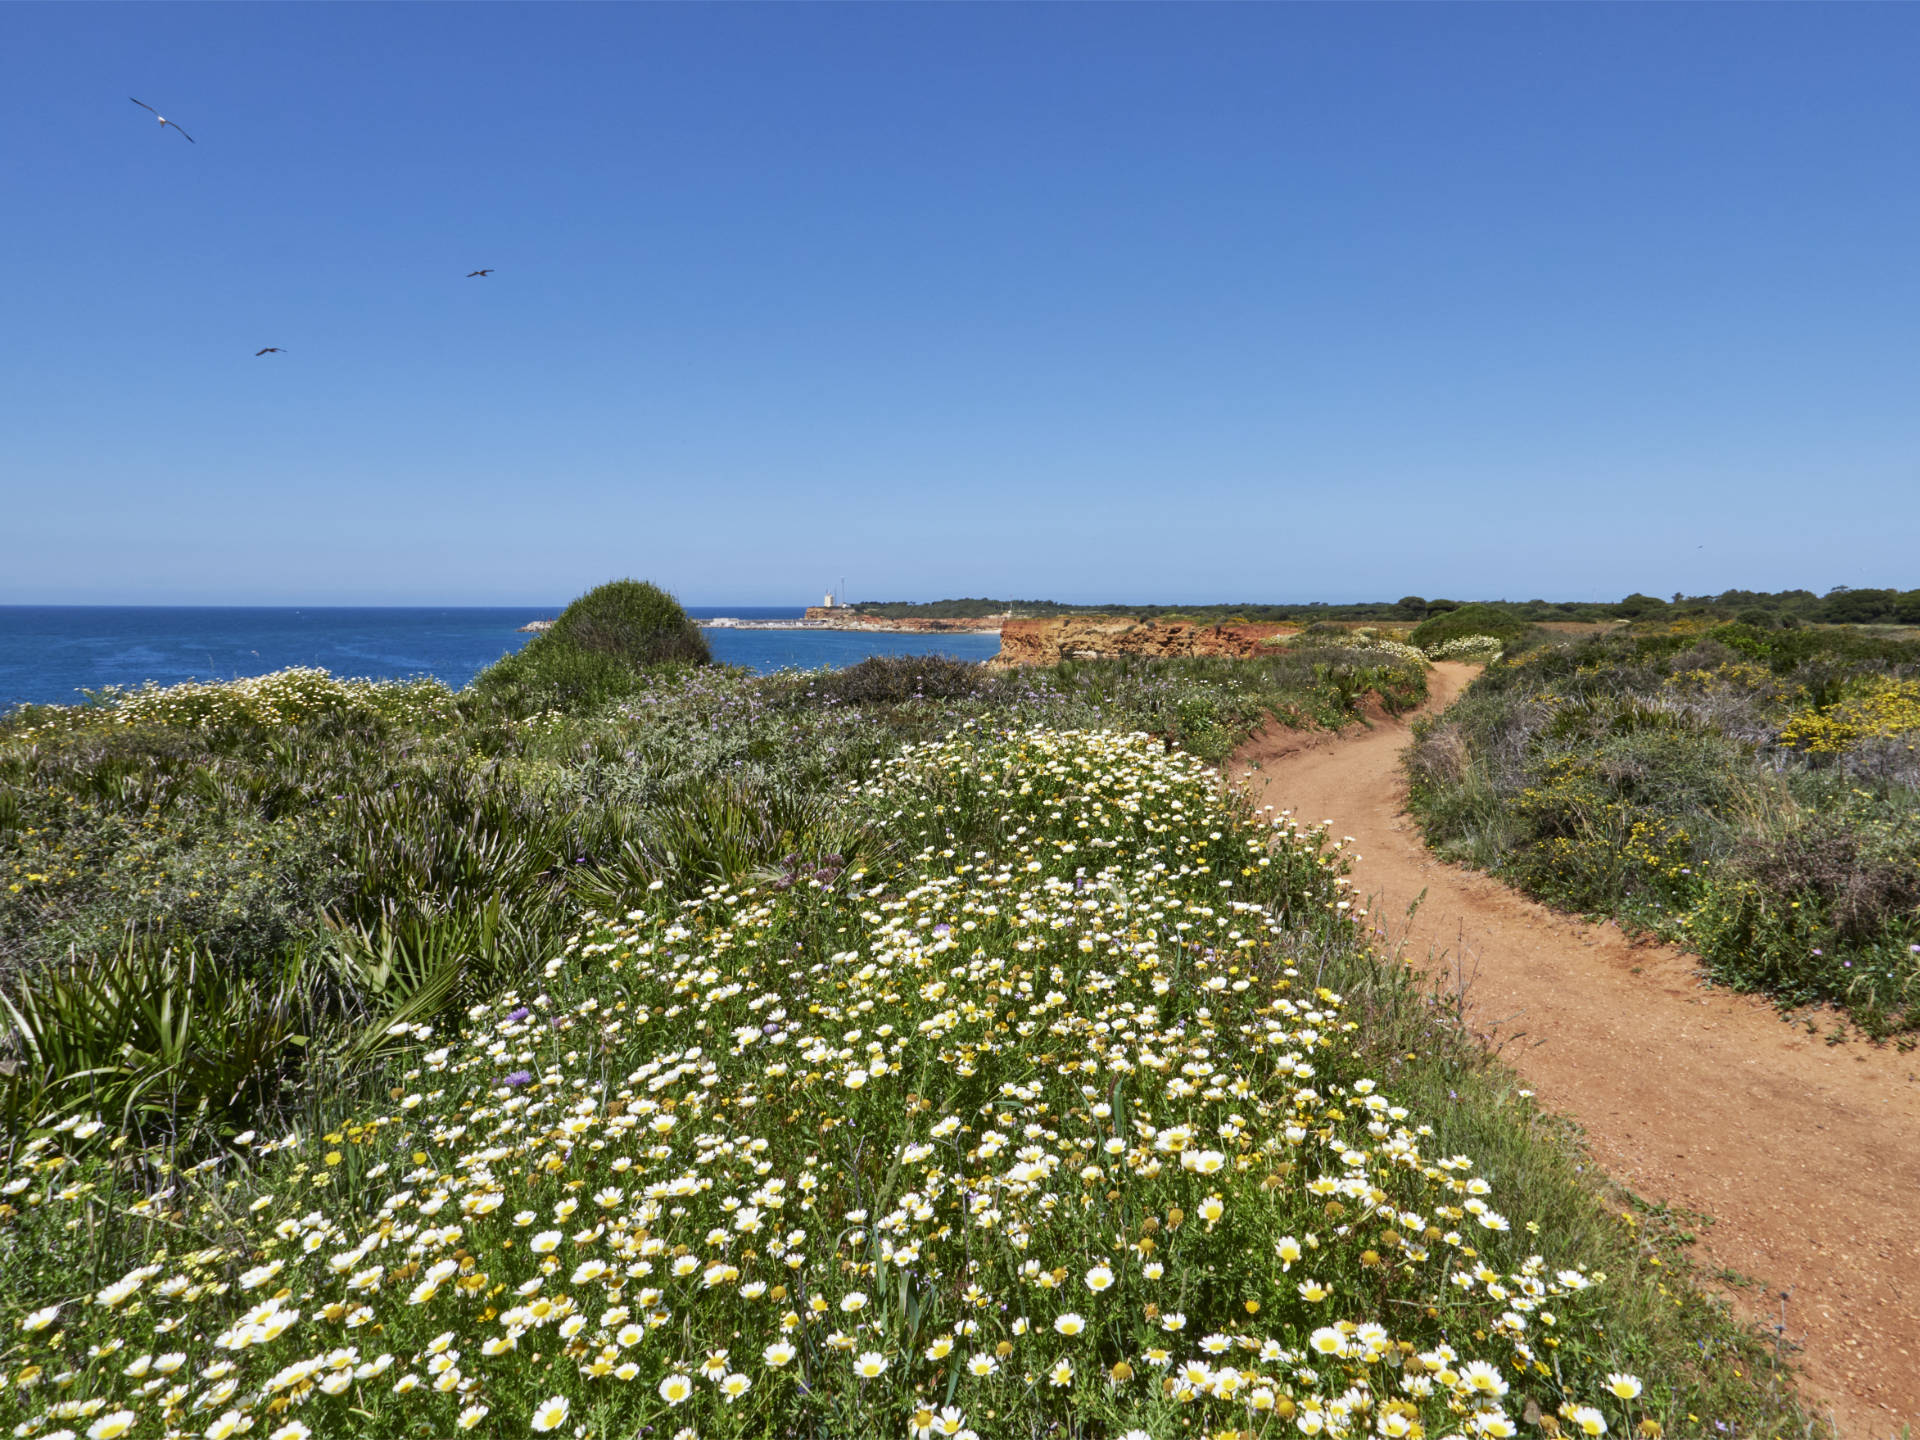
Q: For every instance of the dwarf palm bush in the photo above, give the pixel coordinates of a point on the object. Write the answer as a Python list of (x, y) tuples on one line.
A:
[(409, 965), (157, 1036), (448, 838), (723, 831)]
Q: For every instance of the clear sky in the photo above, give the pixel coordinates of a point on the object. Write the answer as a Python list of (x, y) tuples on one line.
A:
[(1147, 303)]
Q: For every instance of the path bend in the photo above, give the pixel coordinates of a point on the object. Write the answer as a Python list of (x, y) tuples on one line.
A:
[(1806, 1155)]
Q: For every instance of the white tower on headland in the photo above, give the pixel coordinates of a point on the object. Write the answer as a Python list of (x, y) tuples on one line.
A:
[(829, 603)]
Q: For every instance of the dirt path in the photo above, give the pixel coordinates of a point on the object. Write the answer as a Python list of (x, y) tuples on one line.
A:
[(1807, 1155)]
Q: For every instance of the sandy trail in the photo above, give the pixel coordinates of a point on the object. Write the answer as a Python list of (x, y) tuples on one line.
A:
[(1806, 1155)]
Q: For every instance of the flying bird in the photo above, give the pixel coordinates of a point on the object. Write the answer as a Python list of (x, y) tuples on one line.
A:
[(472, 273), (270, 350), (162, 119)]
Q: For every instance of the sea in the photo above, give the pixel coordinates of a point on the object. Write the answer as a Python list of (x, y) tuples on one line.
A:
[(52, 654)]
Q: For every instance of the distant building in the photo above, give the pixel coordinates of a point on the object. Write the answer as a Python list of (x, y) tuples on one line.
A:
[(829, 601)]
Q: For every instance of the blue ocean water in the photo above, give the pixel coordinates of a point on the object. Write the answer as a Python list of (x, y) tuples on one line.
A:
[(766, 650), (49, 654)]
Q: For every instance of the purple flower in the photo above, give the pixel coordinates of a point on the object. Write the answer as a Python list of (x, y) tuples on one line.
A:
[(940, 932), (517, 1079), (515, 1016)]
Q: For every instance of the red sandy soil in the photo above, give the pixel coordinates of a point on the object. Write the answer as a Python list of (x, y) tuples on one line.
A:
[(1806, 1155)]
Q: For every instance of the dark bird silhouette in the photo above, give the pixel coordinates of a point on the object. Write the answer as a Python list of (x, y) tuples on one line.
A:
[(162, 119), (472, 273), (270, 350)]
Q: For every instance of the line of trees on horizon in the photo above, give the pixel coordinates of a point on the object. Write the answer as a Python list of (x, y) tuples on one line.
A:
[(1842, 605)]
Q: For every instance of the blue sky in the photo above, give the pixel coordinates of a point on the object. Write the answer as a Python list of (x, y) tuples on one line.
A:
[(1086, 302)]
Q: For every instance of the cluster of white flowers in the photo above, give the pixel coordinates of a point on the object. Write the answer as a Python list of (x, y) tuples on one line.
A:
[(1040, 1121), (282, 697), (1368, 640), (1469, 647)]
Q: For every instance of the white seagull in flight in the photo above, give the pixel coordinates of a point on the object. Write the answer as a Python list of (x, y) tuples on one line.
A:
[(162, 119)]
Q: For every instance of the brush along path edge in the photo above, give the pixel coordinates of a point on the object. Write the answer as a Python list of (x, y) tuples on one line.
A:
[(1047, 1210), (1806, 1154)]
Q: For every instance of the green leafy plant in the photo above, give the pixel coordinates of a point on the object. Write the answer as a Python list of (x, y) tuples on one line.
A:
[(1467, 620), (595, 650), (155, 1035)]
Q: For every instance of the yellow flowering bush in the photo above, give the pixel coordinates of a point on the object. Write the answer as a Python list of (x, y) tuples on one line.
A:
[(1037, 1126), (1881, 708), (1742, 680)]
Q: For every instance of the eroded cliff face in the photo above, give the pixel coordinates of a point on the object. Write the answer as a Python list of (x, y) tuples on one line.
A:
[(1048, 642)]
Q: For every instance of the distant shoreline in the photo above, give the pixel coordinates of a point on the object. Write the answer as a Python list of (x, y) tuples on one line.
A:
[(728, 622)]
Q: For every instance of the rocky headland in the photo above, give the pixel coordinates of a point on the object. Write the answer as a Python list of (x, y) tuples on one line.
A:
[(1048, 642), (842, 617)]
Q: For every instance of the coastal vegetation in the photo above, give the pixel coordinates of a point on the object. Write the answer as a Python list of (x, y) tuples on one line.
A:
[(1465, 623), (1766, 609), (298, 855), (909, 1049), (1748, 791), (596, 651)]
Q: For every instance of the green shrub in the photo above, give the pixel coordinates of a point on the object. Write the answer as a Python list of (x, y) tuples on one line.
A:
[(1638, 606), (596, 651), (631, 621), (891, 679), (1753, 938), (1467, 620)]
